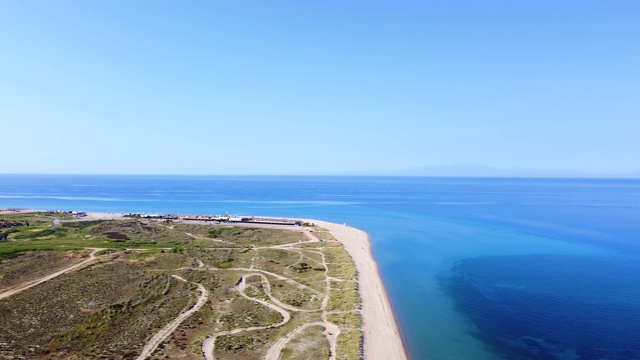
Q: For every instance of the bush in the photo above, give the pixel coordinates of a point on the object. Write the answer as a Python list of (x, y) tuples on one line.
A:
[(38, 234), (5, 234), (218, 232)]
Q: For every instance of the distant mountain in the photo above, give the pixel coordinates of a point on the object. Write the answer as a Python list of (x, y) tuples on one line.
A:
[(472, 170)]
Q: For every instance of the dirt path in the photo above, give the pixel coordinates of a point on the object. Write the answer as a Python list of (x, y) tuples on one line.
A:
[(267, 290), (279, 277), (273, 353), (330, 331), (208, 345), (200, 237), (30, 284), (155, 341), (381, 336)]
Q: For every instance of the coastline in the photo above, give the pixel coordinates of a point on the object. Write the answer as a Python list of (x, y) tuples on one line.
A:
[(382, 337)]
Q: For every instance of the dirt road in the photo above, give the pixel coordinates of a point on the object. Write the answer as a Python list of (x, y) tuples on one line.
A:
[(30, 284), (173, 325)]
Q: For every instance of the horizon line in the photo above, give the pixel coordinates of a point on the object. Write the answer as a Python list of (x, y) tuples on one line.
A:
[(613, 177)]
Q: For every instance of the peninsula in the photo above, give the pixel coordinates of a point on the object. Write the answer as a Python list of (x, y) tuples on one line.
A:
[(137, 286)]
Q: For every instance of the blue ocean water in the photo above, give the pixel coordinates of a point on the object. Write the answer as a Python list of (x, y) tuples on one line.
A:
[(475, 268)]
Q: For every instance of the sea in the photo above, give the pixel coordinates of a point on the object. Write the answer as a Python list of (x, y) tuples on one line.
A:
[(476, 268)]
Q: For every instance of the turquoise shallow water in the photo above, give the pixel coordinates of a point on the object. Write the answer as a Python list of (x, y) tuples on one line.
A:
[(475, 268)]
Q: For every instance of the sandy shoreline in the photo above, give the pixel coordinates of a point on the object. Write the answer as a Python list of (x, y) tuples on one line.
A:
[(382, 338)]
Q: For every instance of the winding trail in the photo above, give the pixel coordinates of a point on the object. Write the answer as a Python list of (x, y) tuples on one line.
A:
[(32, 283), (158, 338), (279, 277), (267, 290), (331, 332), (273, 353), (208, 344), (374, 306), (200, 237)]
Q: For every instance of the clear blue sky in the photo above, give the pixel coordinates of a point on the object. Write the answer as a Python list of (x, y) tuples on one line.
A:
[(318, 87)]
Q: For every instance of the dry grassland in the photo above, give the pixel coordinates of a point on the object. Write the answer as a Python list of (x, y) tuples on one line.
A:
[(265, 291)]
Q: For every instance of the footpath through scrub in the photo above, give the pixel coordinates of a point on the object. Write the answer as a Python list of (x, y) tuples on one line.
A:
[(310, 250)]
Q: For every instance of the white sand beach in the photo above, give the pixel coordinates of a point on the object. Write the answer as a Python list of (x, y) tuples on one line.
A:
[(104, 216)]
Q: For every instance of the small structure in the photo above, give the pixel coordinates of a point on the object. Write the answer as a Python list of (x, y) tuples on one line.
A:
[(78, 214)]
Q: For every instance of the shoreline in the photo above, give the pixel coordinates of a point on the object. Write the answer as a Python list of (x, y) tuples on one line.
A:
[(382, 338)]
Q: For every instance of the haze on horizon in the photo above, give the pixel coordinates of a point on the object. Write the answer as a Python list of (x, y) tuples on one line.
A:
[(286, 87)]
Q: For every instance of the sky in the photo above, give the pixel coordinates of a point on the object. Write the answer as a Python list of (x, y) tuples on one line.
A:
[(318, 87)]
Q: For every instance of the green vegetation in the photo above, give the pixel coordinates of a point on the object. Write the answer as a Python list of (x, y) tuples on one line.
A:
[(323, 234), (219, 232), (310, 344), (37, 234), (349, 345), (4, 235), (242, 346), (26, 266), (249, 236), (113, 305), (57, 215), (244, 313), (343, 297)]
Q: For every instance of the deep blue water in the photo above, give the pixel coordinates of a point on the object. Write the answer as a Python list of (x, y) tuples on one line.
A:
[(475, 268), (567, 306)]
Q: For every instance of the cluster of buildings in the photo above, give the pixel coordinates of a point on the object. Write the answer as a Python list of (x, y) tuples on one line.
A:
[(77, 214), (219, 219)]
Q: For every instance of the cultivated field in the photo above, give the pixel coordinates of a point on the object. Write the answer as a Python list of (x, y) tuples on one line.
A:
[(140, 289)]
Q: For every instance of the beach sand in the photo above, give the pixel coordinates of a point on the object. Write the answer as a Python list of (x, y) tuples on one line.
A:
[(103, 216), (382, 338)]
